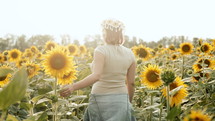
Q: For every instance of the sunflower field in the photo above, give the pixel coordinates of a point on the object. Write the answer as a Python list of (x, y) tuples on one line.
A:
[(174, 82)]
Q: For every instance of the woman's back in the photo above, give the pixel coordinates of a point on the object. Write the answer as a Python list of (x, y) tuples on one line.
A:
[(117, 61)]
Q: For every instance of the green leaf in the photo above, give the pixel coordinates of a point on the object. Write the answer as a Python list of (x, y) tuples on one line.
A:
[(32, 118), (15, 90), (43, 117), (173, 113), (5, 71), (11, 118)]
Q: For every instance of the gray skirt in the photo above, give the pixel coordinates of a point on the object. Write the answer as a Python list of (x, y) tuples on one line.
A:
[(109, 107)]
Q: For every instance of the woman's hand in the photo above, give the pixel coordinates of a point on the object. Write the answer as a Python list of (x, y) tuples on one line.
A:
[(66, 91)]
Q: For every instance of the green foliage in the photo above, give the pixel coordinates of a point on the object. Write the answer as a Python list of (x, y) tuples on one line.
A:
[(15, 90)]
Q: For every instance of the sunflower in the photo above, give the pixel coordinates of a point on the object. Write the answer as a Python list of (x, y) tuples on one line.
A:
[(39, 55), (207, 64), (15, 55), (67, 78), (142, 52), (199, 75), (57, 62), (82, 49), (50, 45), (197, 116), (1, 58), (213, 42), (5, 79), (34, 49), (73, 49), (21, 62), (32, 69), (177, 98), (186, 48), (28, 54), (206, 48), (174, 56), (200, 42), (172, 47), (151, 76)]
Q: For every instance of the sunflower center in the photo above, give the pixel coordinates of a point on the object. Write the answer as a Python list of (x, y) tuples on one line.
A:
[(33, 50), (14, 55), (58, 61), (173, 86), (197, 119), (174, 57), (152, 76), (204, 48), (186, 48), (142, 53), (207, 62), (3, 78)]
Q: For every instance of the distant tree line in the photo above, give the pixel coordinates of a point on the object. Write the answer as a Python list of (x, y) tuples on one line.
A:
[(22, 42)]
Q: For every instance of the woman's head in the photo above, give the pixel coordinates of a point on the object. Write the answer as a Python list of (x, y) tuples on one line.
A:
[(113, 32)]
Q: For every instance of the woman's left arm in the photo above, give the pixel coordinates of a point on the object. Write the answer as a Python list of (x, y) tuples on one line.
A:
[(89, 80)]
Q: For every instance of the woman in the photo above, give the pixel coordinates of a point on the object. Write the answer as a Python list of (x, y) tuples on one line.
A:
[(113, 74)]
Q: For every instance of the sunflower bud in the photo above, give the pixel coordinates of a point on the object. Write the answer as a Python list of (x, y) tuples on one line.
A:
[(168, 77)]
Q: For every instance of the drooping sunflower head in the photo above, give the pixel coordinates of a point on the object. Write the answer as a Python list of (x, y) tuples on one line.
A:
[(150, 77), (73, 49), (82, 49), (186, 48), (67, 78), (203, 62), (50, 45), (206, 48), (32, 69), (197, 116), (57, 62), (15, 55), (177, 98)]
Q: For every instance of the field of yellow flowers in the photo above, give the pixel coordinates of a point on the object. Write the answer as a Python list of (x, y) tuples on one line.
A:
[(172, 83)]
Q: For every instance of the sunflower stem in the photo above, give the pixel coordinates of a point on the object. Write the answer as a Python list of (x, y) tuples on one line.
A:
[(55, 103), (150, 118), (161, 109), (182, 70), (168, 101)]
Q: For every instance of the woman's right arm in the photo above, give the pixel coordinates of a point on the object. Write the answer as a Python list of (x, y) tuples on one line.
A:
[(130, 80)]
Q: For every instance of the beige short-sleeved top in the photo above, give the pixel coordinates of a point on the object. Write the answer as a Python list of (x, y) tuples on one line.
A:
[(118, 59)]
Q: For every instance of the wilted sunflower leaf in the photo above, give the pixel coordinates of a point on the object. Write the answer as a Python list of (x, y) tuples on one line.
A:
[(15, 90)]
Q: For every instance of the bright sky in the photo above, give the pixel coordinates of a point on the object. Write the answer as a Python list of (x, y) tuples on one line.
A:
[(146, 19)]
